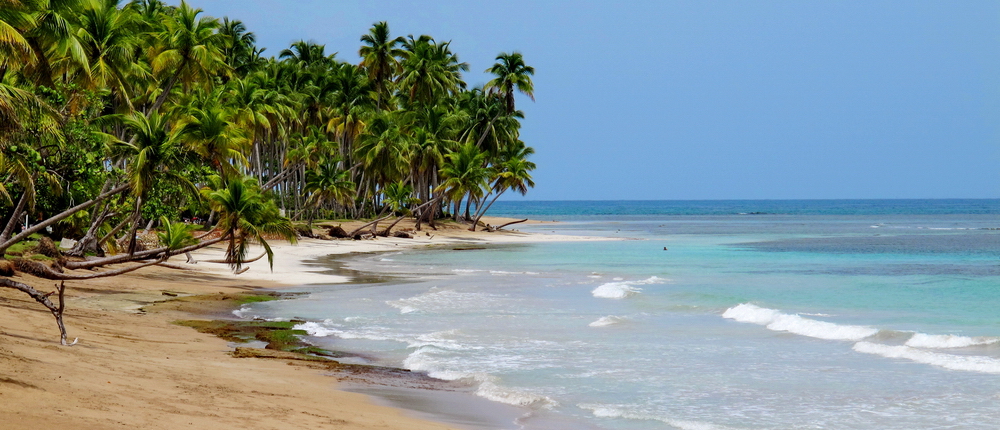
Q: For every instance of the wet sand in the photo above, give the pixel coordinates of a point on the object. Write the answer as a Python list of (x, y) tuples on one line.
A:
[(134, 368)]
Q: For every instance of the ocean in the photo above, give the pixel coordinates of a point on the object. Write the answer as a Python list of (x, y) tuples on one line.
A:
[(839, 314)]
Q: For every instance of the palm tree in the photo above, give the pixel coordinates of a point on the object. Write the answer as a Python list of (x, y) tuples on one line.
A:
[(379, 56), (430, 70), (328, 183), (110, 39), (211, 134), (464, 173), (511, 74), (155, 153), (246, 217), (53, 41), (513, 173), (239, 50), (350, 97), (190, 51)]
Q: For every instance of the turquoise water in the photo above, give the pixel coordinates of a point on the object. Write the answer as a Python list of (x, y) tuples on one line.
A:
[(796, 315)]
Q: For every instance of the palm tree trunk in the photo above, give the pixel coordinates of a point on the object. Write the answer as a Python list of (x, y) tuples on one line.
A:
[(482, 211), (166, 90), (9, 229), (59, 217)]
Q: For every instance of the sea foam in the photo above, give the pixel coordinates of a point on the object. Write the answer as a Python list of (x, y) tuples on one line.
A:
[(488, 387), (778, 321), (609, 411), (622, 289), (606, 321), (970, 363), (921, 340)]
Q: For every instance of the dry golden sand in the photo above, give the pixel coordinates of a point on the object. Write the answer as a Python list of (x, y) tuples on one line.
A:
[(133, 369)]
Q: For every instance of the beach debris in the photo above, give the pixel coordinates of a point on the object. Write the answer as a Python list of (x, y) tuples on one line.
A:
[(6, 268), (47, 248), (304, 231), (402, 235), (337, 232), (510, 223)]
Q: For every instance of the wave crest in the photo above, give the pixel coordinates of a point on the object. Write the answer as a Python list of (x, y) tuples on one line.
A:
[(793, 323), (622, 289), (921, 340), (970, 363)]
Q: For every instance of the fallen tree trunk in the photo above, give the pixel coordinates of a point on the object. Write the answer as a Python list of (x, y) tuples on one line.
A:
[(368, 224), (510, 223), (388, 230), (61, 216), (42, 271), (141, 255)]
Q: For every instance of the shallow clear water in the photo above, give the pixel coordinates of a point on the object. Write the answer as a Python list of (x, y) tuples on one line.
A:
[(880, 316)]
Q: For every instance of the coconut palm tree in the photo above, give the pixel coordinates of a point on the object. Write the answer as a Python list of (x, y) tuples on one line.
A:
[(380, 57), (513, 173), (465, 174), (511, 75), (430, 70), (247, 216), (189, 51), (109, 36), (211, 134), (328, 183)]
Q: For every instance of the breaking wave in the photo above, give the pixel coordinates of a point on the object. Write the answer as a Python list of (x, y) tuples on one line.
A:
[(793, 323), (606, 321), (622, 289), (970, 363), (921, 340)]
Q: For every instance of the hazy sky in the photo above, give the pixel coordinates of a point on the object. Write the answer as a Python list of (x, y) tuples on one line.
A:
[(716, 100)]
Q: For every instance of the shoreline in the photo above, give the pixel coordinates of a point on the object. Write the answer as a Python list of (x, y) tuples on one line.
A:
[(134, 368)]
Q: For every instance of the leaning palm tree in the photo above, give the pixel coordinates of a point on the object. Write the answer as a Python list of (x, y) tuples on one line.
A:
[(155, 153), (247, 216), (513, 173)]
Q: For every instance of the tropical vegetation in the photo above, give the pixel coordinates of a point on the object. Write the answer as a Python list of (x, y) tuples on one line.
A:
[(117, 117)]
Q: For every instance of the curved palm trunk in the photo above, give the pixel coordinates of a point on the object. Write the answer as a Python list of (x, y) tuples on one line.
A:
[(61, 216), (9, 229), (388, 230), (482, 210)]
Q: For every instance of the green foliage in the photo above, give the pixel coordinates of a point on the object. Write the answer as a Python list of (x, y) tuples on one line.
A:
[(98, 93)]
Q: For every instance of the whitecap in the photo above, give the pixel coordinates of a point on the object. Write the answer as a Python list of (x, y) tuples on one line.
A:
[(316, 329), (922, 340), (970, 363), (623, 289), (606, 321), (777, 321)]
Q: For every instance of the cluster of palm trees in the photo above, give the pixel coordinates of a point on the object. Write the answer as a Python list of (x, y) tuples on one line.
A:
[(115, 115)]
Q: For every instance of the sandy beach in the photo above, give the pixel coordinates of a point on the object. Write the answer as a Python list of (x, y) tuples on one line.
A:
[(134, 368)]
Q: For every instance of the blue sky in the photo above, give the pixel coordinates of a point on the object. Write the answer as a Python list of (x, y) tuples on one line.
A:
[(716, 100)]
